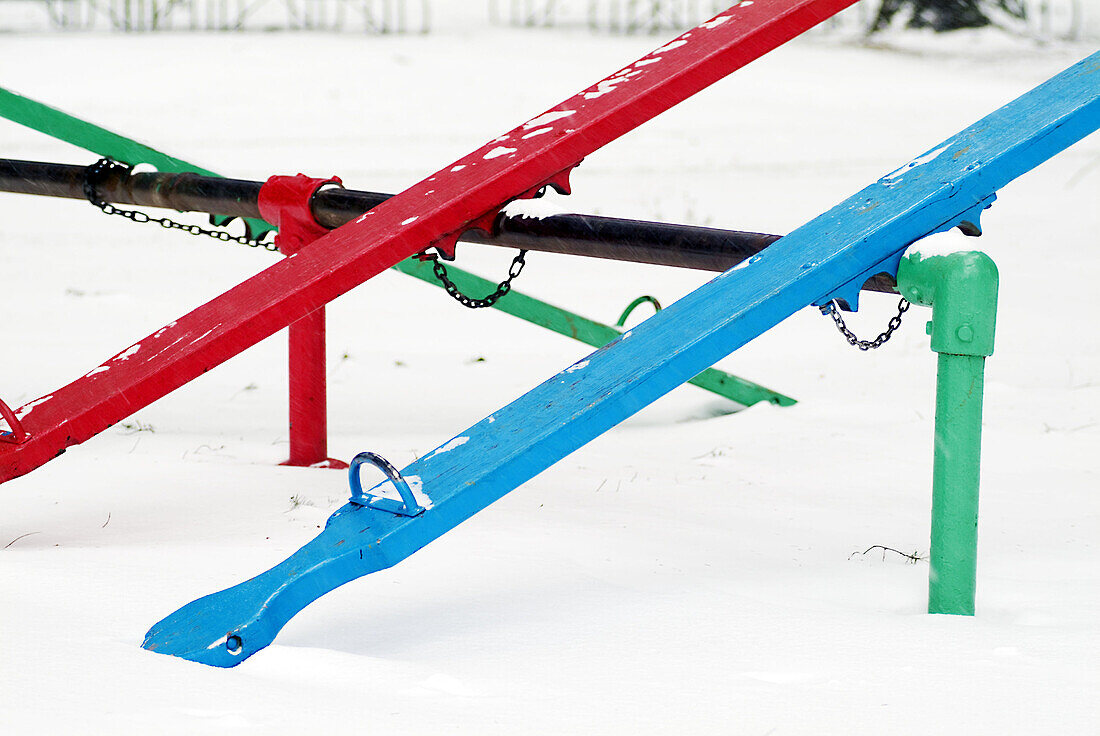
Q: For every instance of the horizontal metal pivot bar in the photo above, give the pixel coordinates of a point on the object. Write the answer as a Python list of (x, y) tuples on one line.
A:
[(636, 241)]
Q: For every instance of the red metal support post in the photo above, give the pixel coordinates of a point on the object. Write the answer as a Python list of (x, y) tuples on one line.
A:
[(285, 202)]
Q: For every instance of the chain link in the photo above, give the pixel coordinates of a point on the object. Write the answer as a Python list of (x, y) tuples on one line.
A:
[(831, 309), (97, 171), (502, 288)]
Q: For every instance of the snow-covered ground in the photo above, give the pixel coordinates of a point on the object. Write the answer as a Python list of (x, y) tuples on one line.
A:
[(693, 571)]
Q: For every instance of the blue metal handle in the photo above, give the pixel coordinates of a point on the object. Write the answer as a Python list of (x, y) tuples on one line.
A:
[(409, 507)]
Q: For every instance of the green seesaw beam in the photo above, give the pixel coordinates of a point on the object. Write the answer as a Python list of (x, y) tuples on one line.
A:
[(62, 126)]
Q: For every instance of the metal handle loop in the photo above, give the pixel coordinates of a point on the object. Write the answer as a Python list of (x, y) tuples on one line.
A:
[(408, 505), (17, 435)]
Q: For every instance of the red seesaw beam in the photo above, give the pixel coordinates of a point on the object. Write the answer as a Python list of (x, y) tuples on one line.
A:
[(433, 212)]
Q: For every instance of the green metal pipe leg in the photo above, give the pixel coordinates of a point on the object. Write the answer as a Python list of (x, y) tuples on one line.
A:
[(955, 472), (961, 288)]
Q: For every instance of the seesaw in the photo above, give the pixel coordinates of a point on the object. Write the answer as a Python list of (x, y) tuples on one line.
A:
[(827, 259)]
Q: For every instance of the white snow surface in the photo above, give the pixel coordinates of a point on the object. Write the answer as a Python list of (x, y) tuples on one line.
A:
[(693, 571)]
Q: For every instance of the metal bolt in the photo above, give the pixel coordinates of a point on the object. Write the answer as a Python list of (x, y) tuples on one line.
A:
[(928, 327), (965, 333)]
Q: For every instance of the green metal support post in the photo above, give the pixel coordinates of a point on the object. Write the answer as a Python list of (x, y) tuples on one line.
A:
[(961, 288)]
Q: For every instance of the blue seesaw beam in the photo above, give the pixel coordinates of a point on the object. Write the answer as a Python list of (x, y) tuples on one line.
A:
[(827, 258)]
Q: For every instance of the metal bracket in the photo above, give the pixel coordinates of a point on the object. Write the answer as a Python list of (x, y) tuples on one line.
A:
[(969, 222), (847, 296), (284, 201), (406, 507), (489, 222)]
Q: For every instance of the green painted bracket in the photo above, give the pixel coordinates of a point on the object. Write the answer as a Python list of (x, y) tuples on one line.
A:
[(588, 331), (65, 127), (961, 288), (90, 137)]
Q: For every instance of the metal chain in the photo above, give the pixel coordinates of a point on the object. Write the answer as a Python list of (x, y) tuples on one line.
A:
[(831, 309), (95, 173), (502, 288)]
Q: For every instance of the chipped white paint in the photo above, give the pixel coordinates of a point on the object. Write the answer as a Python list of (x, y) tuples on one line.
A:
[(671, 45), (202, 337), (492, 418), (498, 152), (546, 118), (218, 643), (715, 22), (95, 371), (460, 167), (386, 489), (456, 442), (612, 83), (411, 220), (26, 409), (128, 352), (170, 345), (745, 263), (607, 86), (534, 133), (647, 62), (576, 367), (894, 176), (164, 329), (416, 485)]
